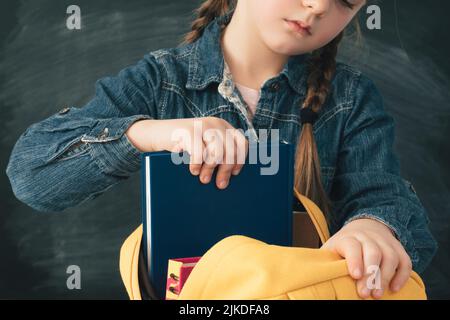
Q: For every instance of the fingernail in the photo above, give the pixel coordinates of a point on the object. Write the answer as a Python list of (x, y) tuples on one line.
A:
[(357, 273), (222, 184), (195, 172), (396, 288), (365, 292), (205, 179), (235, 173), (378, 293)]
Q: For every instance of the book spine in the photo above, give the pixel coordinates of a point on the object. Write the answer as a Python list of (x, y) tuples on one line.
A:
[(143, 206), (148, 212), (290, 195)]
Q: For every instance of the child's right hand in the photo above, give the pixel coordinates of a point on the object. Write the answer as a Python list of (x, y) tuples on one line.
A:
[(210, 141)]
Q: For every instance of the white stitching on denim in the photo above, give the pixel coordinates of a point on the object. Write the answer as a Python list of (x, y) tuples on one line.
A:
[(293, 117), (163, 75), (220, 109), (159, 53), (179, 91), (335, 111), (346, 67), (163, 63), (163, 102), (193, 64), (183, 54), (169, 86), (206, 82), (278, 116), (278, 119)]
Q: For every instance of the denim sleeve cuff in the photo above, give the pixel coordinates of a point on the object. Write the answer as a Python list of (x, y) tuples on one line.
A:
[(111, 148), (398, 229), (374, 217)]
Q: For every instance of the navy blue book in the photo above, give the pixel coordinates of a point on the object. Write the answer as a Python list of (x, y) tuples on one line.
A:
[(183, 217)]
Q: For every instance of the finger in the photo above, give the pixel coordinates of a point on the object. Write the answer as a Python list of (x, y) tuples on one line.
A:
[(389, 262), (350, 249), (196, 148), (230, 159), (403, 272), (223, 175), (212, 157), (241, 145), (372, 260)]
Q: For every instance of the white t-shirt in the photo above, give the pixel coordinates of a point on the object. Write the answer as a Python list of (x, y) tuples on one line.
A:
[(251, 97)]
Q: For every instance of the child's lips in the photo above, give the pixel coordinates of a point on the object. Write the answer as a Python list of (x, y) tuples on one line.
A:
[(299, 26)]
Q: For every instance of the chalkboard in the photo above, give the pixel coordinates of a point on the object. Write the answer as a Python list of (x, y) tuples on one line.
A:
[(45, 67)]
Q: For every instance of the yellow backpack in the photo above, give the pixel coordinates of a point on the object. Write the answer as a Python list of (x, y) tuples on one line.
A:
[(239, 267)]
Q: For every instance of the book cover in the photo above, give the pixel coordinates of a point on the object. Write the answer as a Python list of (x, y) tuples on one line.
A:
[(178, 271), (182, 217)]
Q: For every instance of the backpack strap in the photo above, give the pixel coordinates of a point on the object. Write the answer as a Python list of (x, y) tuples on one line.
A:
[(316, 215)]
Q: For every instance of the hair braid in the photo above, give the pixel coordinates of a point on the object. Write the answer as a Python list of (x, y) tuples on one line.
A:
[(322, 66), (207, 12)]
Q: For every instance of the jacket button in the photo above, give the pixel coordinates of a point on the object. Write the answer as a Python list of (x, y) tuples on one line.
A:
[(64, 111), (274, 86), (104, 134)]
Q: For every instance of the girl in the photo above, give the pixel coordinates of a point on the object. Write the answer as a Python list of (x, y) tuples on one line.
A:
[(247, 64)]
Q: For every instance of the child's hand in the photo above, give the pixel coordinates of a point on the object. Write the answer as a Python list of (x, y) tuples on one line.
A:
[(207, 148), (365, 243)]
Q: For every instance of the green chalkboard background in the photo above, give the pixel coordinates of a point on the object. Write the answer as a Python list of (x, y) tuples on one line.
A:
[(44, 67)]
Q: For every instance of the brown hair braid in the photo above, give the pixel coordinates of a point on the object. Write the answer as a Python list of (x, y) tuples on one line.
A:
[(322, 66), (206, 13)]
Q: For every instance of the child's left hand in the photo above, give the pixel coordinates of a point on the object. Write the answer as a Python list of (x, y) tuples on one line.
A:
[(368, 242)]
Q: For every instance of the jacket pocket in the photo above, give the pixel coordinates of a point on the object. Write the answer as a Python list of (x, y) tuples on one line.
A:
[(73, 149)]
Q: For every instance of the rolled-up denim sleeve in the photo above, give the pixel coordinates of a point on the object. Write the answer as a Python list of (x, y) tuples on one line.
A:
[(368, 183), (80, 152)]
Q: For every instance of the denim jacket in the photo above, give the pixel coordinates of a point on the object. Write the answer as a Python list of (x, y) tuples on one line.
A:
[(78, 153)]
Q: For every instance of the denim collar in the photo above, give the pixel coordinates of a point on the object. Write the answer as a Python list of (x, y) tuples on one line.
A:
[(206, 63)]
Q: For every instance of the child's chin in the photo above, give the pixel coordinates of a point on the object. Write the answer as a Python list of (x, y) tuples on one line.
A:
[(287, 48)]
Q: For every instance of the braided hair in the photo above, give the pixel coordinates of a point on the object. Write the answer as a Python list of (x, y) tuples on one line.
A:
[(207, 12), (321, 68), (307, 180)]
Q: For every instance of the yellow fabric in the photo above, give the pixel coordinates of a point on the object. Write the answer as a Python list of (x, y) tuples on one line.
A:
[(316, 216), (129, 263), (240, 267)]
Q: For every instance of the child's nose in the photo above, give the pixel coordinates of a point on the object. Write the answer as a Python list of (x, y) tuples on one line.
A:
[(318, 7)]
